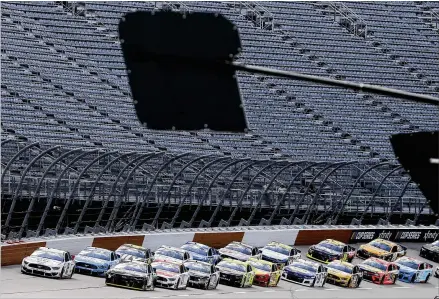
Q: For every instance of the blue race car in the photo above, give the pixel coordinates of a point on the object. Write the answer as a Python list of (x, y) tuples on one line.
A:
[(202, 253), (413, 270), (95, 261)]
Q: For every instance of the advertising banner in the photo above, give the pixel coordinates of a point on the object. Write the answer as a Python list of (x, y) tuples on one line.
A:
[(396, 235)]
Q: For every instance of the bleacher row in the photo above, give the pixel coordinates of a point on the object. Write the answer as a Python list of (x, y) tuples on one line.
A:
[(64, 81)]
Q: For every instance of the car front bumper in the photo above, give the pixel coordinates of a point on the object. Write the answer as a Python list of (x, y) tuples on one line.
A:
[(40, 272)]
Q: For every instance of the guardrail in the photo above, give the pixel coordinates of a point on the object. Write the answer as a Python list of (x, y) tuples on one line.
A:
[(12, 253)]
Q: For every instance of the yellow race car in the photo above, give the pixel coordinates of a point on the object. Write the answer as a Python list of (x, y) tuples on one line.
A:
[(382, 249), (344, 274), (267, 274)]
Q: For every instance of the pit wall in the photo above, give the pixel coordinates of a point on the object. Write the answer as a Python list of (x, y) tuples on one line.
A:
[(12, 253)]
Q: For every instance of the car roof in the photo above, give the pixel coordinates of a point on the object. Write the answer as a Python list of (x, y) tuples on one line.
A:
[(197, 244), (197, 262), (387, 242), (139, 263), (51, 250), (279, 244), (167, 262), (171, 248), (134, 246), (240, 244), (332, 241), (91, 248), (408, 258)]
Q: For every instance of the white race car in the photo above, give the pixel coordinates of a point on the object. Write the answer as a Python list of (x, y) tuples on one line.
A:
[(239, 251), (49, 262), (170, 275), (171, 254)]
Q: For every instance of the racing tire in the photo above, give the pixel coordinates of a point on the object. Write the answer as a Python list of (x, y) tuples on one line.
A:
[(61, 274), (351, 285), (395, 277), (206, 287), (176, 285), (381, 280), (427, 279), (413, 278), (71, 274), (313, 283)]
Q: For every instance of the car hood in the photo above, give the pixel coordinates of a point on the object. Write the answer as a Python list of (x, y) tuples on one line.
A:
[(300, 271), (130, 258), (374, 250), (370, 268), (198, 257), (325, 250), (165, 273), (43, 261), (339, 273), (259, 272), (274, 255), (128, 273), (90, 260), (230, 271), (198, 273), (235, 254)]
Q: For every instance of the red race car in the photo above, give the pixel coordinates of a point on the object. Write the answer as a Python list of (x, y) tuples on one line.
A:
[(379, 271)]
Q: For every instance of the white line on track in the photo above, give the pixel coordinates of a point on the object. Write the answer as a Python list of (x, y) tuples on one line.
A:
[(363, 288), (331, 289), (185, 295), (402, 287), (300, 290), (269, 291), (239, 292)]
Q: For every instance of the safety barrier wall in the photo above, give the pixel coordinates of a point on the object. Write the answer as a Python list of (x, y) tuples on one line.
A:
[(13, 253)]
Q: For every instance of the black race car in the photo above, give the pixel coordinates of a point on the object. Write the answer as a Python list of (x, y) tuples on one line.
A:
[(430, 251), (131, 275), (202, 274)]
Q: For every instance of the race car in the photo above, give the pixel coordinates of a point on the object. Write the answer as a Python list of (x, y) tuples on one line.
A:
[(330, 250), (382, 249), (49, 262), (239, 251), (95, 261), (130, 252), (132, 275), (170, 275), (171, 254), (279, 253), (236, 273), (344, 274), (267, 274), (201, 252), (430, 251), (413, 270), (379, 271), (305, 273), (202, 274)]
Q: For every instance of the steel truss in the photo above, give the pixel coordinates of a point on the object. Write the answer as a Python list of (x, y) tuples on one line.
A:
[(57, 190)]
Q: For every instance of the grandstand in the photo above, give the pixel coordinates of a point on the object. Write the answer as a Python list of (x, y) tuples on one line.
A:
[(75, 158)]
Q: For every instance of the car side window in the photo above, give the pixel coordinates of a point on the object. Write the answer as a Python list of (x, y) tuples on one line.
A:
[(394, 249), (209, 252), (355, 270), (113, 257), (249, 268), (319, 270), (212, 269), (66, 257), (422, 266), (345, 249), (292, 252)]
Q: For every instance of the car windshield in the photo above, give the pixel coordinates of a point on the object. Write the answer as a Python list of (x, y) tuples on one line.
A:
[(132, 267), (171, 253), (381, 246), (195, 249), (232, 266), (131, 251), (97, 254), (408, 263), (341, 267), (166, 267), (375, 264), (49, 255), (260, 266), (198, 267), (239, 248), (332, 247), (278, 249), (304, 267), (435, 243)]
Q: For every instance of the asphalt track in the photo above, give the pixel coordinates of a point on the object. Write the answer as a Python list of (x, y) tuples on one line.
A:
[(17, 285)]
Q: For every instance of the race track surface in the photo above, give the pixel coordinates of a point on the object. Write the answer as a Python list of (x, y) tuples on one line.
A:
[(17, 285)]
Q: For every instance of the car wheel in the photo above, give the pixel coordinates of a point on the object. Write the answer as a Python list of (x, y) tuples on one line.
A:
[(206, 287), (61, 274), (382, 280), (394, 279), (413, 278), (313, 282), (176, 285), (427, 279)]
